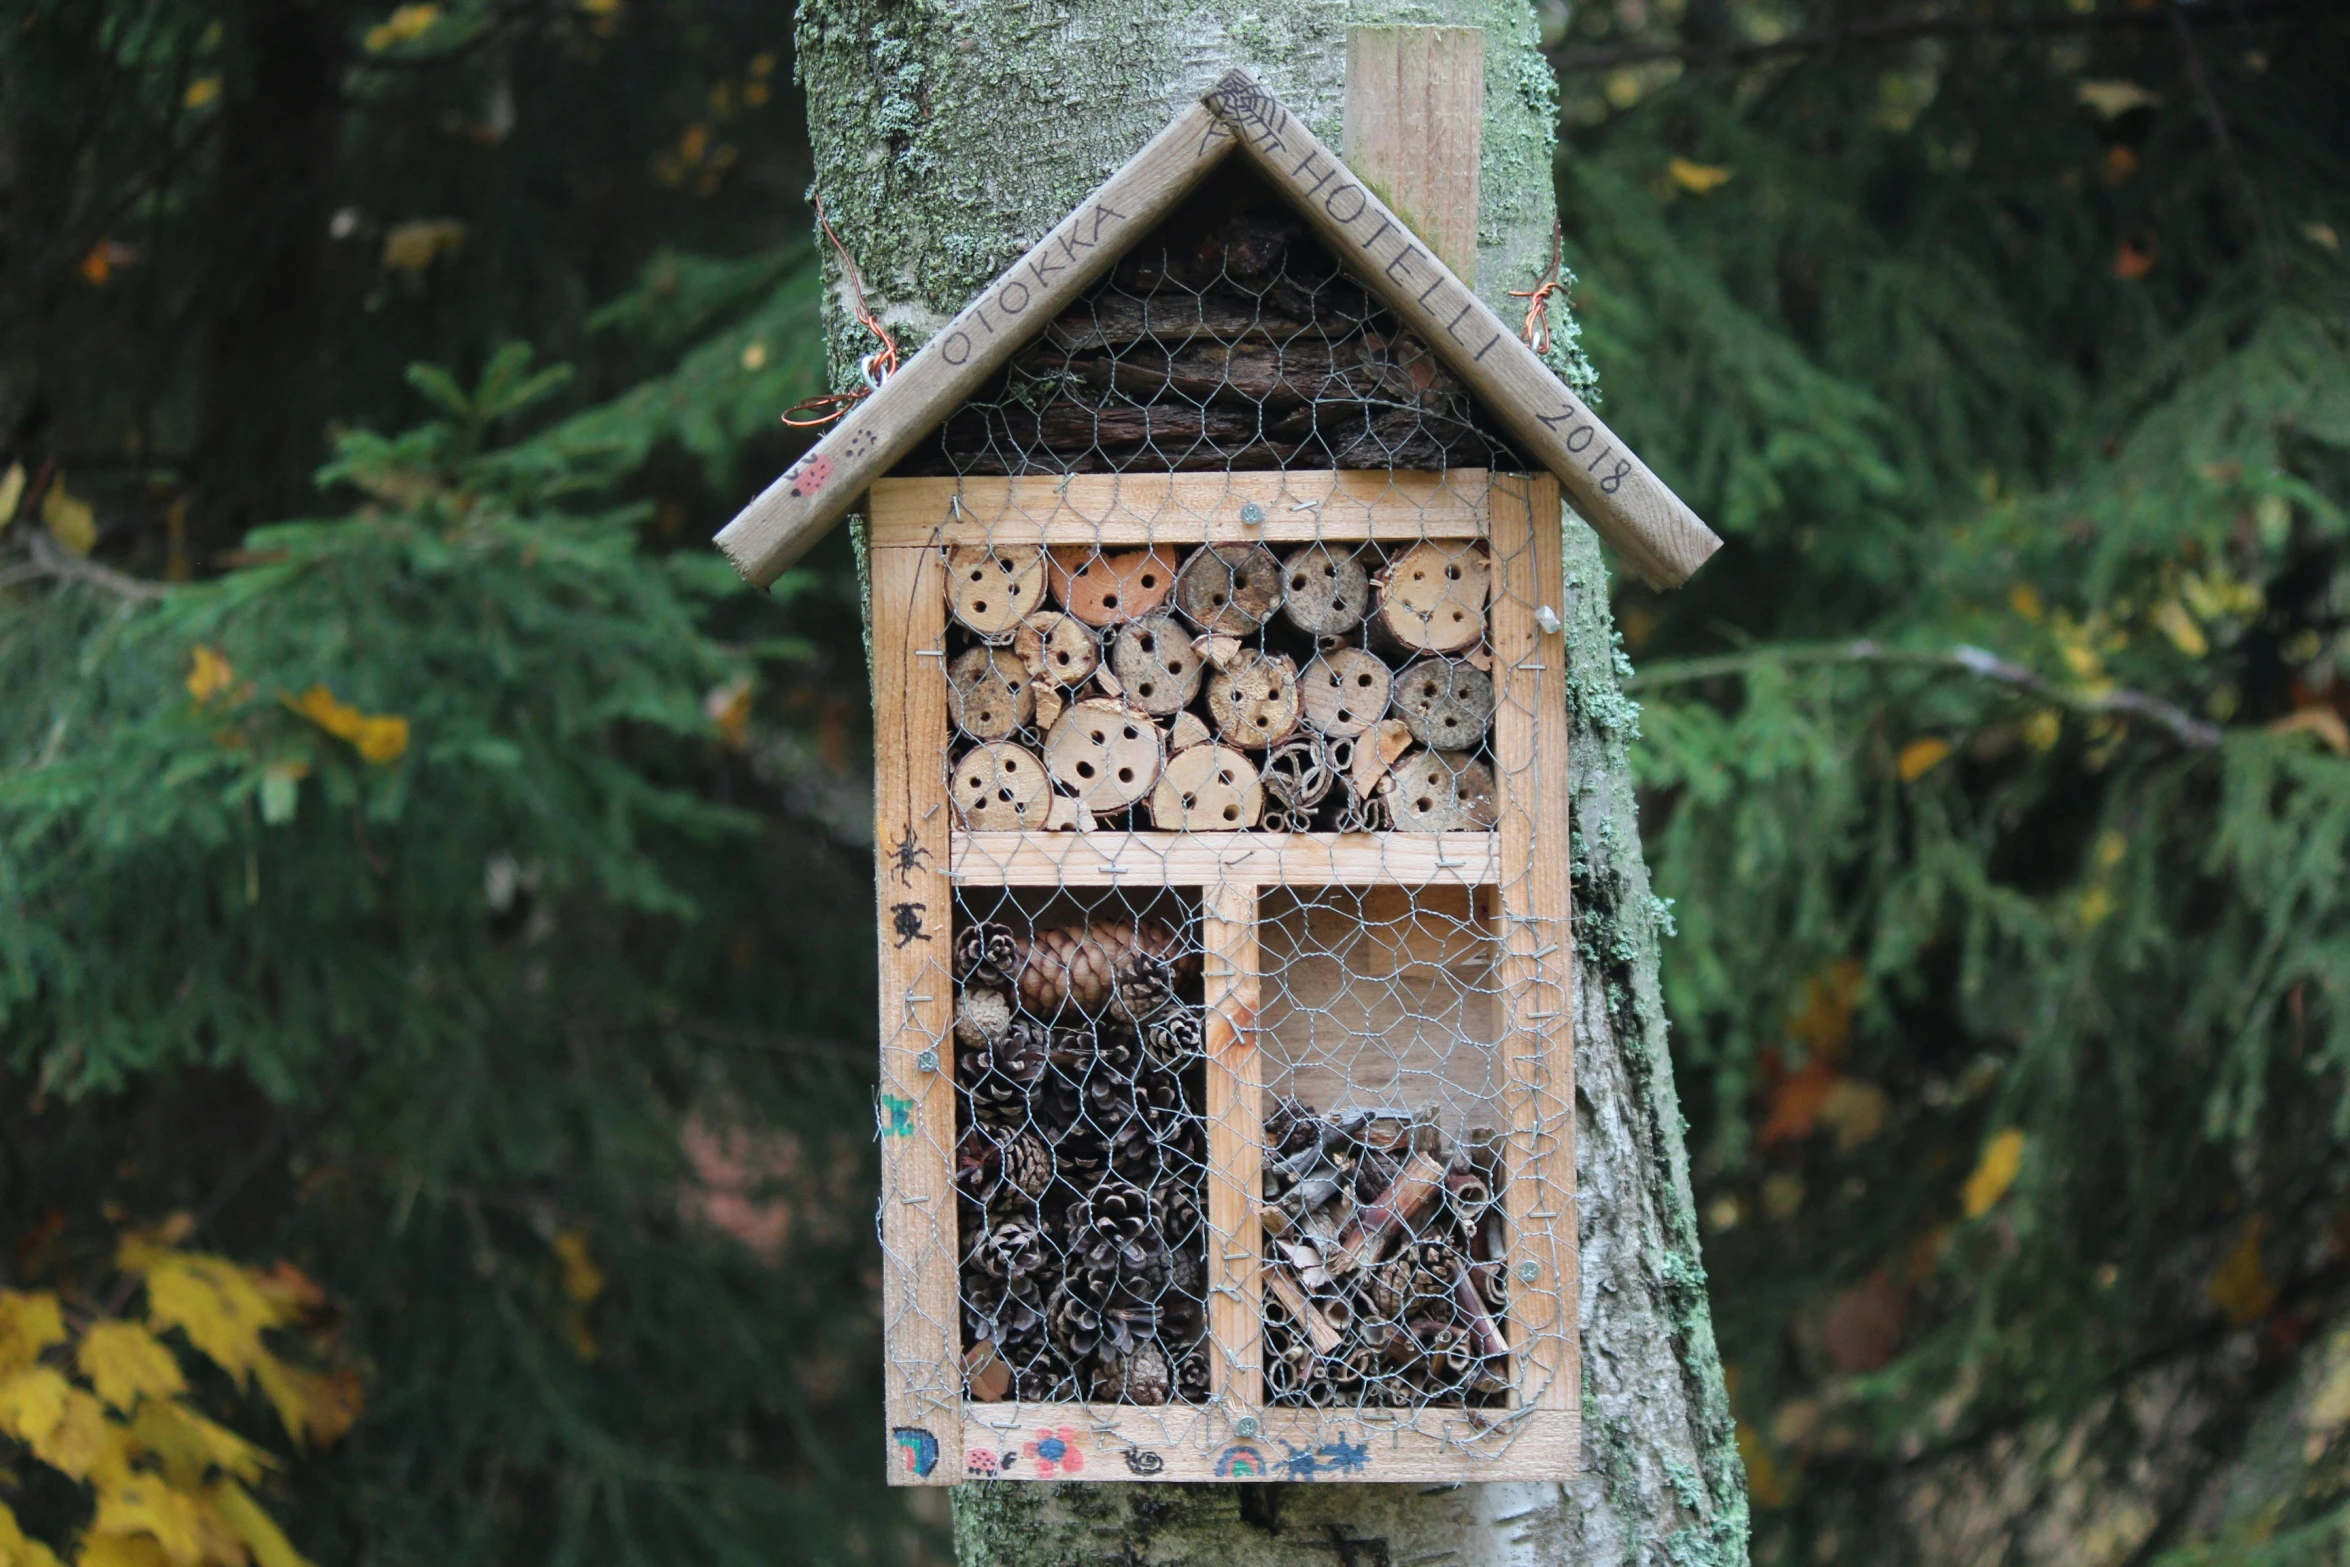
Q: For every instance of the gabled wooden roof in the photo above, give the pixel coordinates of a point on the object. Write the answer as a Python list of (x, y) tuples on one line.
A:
[(1661, 539)]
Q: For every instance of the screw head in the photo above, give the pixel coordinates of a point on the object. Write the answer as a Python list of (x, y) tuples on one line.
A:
[(1528, 1272), (1245, 1426), (1251, 512), (927, 1061)]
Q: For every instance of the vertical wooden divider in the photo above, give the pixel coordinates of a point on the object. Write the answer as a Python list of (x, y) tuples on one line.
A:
[(1235, 1111), (1537, 970), (921, 1275)]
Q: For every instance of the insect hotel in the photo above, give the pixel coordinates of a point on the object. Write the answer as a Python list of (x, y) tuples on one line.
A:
[(1226, 1100)]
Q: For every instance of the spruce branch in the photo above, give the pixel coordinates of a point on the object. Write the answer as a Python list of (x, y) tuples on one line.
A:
[(2185, 727), (1899, 30)]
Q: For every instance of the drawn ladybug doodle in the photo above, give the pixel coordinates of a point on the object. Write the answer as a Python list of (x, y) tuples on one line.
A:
[(812, 476)]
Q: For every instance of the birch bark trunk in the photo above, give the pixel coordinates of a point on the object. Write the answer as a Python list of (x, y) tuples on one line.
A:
[(947, 139)]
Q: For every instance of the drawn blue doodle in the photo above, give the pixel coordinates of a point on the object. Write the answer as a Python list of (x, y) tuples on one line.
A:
[(919, 1447), (897, 1116)]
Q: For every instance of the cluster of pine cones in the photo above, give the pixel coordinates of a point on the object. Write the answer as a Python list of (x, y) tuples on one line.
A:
[(1385, 1283), (1081, 1163)]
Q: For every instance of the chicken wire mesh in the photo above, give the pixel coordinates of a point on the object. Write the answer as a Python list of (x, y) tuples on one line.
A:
[(1254, 1007)]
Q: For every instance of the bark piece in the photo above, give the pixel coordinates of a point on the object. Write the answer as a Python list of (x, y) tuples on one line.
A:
[(990, 694), (1324, 1334), (1346, 690), (1376, 752), (1325, 590), (1208, 788), (1432, 597), (990, 590), (1157, 666), (1255, 700), (1447, 703), (1000, 787), (1058, 649), (1230, 589), (1109, 590), (1105, 754), (1399, 1210), (1441, 791)]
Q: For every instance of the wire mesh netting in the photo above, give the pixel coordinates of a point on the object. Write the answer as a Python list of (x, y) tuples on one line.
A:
[(1252, 1012)]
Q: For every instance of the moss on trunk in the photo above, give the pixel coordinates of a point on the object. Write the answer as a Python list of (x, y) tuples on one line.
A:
[(947, 139)]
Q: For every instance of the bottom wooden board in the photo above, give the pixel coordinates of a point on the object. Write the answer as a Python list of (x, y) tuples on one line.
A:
[(1203, 1442)]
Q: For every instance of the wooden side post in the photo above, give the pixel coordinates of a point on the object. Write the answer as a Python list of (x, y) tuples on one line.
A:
[(1537, 957), (921, 1263), (1414, 124)]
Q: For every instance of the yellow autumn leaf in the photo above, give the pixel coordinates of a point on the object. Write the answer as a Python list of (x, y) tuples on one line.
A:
[(2095, 904), (2240, 1286), (2172, 619), (125, 1363), (216, 1304), (405, 25), (2112, 99), (2024, 599), (144, 1504), (2043, 729), (1698, 178), (19, 1550), (1995, 1172), (191, 1446), (315, 1407), (257, 1529), (1921, 757), (71, 521), (382, 738), (418, 243), (200, 92), (729, 707), (120, 1550), (30, 1322), (209, 674), (583, 1281), (83, 1443), (11, 492), (32, 1402), (323, 708), (2323, 722)]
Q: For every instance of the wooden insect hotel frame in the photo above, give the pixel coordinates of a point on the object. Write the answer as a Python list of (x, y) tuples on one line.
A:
[(1226, 1100)]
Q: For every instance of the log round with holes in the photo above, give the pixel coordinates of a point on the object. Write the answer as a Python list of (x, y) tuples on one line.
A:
[(1156, 665), (989, 590), (1254, 699), (1345, 691), (1000, 788), (1229, 589), (1105, 754), (1441, 791), (1209, 788), (1059, 649), (1445, 702), (1432, 597), (990, 694), (1109, 590), (1325, 591)]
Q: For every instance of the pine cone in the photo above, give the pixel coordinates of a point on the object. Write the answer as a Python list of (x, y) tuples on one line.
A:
[(1191, 1377), (1022, 1052), (1027, 1164), (978, 1165), (986, 951), (1140, 1375), (1175, 1039), (1175, 1210), (982, 1014), (1073, 967), (996, 1100), (1142, 985), (1075, 1326), (1115, 1212), (1012, 1252)]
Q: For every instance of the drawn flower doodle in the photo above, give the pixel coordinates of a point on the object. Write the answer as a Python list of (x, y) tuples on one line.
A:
[(1055, 1452)]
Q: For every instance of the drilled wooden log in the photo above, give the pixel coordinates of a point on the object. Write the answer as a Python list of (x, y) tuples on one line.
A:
[(1209, 788), (1109, 590), (1230, 589), (1157, 667), (989, 590), (1105, 754), (990, 694), (1345, 691), (1441, 791), (1255, 700), (1446, 703), (1325, 590), (1432, 597), (1057, 648), (1000, 788)]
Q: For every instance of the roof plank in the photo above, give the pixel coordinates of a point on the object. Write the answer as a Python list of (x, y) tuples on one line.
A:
[(1660, 538), (795, 511)]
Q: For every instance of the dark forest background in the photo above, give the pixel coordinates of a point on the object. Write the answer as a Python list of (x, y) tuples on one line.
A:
[(428, 884)]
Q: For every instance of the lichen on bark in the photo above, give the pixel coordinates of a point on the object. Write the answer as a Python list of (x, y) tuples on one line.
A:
[(948, 137)]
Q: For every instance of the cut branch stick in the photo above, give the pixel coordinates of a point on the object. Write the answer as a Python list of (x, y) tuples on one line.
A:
[(1661, 539), (1318, 1328), (796, 510)]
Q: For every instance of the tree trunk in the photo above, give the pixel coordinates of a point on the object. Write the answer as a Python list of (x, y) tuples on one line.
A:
[(949, 139)]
